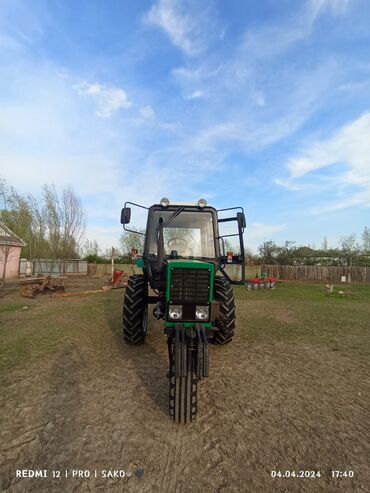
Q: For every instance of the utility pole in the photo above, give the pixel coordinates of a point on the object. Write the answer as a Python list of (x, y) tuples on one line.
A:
[(113, 252)]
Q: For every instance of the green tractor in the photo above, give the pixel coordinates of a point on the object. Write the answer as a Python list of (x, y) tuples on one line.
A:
[(184, 263)]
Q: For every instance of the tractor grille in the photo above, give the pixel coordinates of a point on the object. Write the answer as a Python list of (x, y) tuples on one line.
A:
[(190, 285)]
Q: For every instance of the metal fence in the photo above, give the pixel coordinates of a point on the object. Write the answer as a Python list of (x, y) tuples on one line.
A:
[(53, 268)]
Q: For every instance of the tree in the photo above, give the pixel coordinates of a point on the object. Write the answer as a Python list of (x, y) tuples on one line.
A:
[(349, 249), (251, 258), (130, 240), (269, 252), (73, 220), (89, 248), (286, 253), (366, 240), (16, 213), (52, 225), (91, 252), (65, 221), (325, 244)]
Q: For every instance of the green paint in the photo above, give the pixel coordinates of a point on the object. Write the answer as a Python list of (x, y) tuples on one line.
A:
[(189, 264), (188, 324)]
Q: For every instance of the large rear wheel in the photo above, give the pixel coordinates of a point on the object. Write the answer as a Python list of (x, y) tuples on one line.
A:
[(135, 310), (225, 324)]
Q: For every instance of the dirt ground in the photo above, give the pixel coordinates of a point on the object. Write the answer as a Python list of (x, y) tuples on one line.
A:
[(290, 393)]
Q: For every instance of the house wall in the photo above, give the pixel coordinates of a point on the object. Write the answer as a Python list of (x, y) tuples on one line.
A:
[(12, 265)]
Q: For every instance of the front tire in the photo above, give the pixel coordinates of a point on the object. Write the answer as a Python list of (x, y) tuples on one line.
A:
[(183, 389), (135, 310), (225, 324)]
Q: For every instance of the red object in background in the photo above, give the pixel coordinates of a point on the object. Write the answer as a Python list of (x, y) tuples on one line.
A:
[(229, 257), (117, 274), (256, 280)]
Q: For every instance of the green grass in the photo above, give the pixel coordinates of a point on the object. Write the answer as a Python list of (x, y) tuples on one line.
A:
[(11, 307), (293, 313), (299, 291), (305, 313), (38, 332)]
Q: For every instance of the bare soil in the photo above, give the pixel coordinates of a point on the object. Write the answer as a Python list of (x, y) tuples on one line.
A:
[(290, 393)]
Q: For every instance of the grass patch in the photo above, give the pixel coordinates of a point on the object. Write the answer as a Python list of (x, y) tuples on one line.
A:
[(298, 291), (11, 307), (305, 313), (295, 313)]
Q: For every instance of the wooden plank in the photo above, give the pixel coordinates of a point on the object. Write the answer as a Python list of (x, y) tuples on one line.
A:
[(77, 293)]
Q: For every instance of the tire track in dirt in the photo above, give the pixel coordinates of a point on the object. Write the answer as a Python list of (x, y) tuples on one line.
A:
[(50, 442), (58, 441)]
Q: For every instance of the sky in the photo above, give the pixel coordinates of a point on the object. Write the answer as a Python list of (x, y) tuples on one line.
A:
[(260, 104)]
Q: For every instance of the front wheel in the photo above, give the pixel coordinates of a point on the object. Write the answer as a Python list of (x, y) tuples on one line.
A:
[(183, 384), (135, 310)]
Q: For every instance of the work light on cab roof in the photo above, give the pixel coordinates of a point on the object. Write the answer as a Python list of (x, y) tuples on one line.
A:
[(165, 202), (184, 263)]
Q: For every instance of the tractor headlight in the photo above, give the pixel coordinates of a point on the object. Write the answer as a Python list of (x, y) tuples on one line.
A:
[(175, 312), (202, 202), (164, 202), (202, 312)]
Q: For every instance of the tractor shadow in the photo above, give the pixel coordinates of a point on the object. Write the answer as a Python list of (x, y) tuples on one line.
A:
[(149, 360)]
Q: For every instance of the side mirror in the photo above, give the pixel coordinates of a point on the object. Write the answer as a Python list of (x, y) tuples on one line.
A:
[(125, 215), (241, 219)]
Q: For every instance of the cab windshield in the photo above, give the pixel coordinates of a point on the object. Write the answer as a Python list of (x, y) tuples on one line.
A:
[(186, 234)]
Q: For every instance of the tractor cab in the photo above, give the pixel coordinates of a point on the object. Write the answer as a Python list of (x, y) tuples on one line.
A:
[(187, 231)]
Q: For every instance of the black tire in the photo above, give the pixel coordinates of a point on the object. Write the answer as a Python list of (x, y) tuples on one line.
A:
[(135, 310), (224, 294), (183, 391)]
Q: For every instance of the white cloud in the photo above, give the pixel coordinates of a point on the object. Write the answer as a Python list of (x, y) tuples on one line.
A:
[(348, 147), (271, 40), (188, 24), (197, 74), (147, 113), (354, 87), (337, 7), (248, 122), (108, 99), (198, 94), (253, 100), (179, 27)]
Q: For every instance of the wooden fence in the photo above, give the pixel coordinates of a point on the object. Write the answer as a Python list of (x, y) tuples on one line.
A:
[(321, 273)]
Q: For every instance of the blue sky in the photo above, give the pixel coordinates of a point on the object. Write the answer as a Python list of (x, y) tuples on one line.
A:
[(263, 104)]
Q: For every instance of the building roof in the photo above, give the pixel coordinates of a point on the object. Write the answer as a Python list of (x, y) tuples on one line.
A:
[(7, 237)]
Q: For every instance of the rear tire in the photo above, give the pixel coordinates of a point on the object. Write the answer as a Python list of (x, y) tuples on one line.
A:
[(183, 390), (225, 324), (135, 310)]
